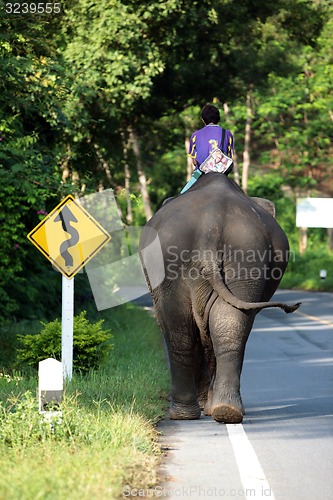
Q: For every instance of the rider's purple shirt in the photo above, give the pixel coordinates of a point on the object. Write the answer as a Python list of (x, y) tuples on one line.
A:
[(208, 138)]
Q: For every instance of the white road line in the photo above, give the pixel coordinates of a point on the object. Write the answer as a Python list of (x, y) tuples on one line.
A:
[(251, 473)]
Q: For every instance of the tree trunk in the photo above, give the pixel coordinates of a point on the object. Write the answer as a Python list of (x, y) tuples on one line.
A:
[(228, 122), (330, 238), (247, 142), (276, 143), (303, 239), (129, 211), (104, 164), (141, 174), (64, 165), (189, 169)]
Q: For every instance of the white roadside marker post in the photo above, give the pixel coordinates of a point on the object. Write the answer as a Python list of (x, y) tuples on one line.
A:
[(67, 327), (50, 386)]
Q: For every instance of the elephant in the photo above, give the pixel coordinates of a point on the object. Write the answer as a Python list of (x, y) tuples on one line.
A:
[(224, 256)]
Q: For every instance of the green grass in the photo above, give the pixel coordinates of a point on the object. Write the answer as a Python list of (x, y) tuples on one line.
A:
[(106, 438)]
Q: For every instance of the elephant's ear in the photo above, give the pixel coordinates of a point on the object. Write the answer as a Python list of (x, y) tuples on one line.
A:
[(266, 204)]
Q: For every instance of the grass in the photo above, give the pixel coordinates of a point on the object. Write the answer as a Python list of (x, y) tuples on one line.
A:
[(106, 438)]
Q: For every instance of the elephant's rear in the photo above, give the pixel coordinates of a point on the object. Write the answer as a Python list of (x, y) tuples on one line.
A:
[(216, 228), (206, 254)]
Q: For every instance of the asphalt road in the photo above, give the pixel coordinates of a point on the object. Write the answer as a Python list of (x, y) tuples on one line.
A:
[(284, 448)]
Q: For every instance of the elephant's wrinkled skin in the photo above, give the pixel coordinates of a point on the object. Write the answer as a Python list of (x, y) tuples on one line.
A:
[(224, 256)]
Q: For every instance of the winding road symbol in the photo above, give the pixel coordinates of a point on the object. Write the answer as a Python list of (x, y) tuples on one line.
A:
[(69, 246), (66, 217)]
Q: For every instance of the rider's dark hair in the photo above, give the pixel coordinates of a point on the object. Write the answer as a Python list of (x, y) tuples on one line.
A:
[(210, 114)]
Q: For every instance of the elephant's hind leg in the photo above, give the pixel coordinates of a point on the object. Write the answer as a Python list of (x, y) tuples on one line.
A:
[(181, 337), (184, 404), (229, 329)]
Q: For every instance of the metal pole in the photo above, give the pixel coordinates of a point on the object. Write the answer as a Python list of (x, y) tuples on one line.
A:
[(67, 326)]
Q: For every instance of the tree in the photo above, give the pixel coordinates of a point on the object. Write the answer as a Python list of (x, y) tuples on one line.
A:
[(113, 65), (294, 122), (32, 83)]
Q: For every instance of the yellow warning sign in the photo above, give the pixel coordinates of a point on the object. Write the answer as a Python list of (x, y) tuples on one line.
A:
[(69, 237)]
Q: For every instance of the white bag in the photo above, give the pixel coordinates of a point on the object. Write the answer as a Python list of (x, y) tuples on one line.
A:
[(217, 161)]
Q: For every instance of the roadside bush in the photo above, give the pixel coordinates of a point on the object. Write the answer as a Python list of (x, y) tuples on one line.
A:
[(303, 271), (90, 344)]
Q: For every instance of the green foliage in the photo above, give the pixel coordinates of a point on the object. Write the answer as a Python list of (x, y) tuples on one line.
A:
[(272, 187), (303, 270), (105, 436), (266, 186), (90, 344), (9, 333), (293, 116), (32, 85), (22, 425)]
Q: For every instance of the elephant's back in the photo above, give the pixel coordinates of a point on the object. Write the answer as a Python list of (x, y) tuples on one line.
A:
[(216, 205)]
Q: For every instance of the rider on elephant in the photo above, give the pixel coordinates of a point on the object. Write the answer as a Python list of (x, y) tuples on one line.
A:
[(209, 138)]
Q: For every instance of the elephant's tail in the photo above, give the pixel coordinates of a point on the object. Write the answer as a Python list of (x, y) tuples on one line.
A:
[(223, 292)]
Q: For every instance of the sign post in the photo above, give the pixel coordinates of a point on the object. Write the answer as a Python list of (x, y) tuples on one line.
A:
[(67, 326), (313, 212), (69, 237)]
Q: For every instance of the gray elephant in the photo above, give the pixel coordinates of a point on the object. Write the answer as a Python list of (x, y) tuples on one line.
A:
[(223, 258)]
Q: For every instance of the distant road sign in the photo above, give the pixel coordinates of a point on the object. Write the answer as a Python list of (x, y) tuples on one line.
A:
[(69, 237), (314, 212)]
